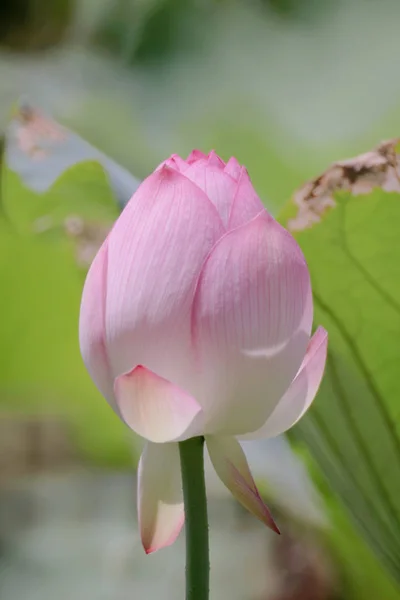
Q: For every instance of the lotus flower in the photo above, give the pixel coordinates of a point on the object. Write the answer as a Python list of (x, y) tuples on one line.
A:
[(195, 321)]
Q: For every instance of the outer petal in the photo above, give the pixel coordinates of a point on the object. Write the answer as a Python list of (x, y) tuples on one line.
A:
[(155, 408), (219, 186), (246, 204), (302, 391), (251, 322), (231, 466), (196, 155), (214, 159), (155, 253), (160, 497), (92, 336), (174, 162), (233, 168)]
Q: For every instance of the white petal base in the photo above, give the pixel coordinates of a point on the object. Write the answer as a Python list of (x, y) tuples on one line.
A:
[(298, 398), (160, 497), (155, 408), (231, 466)]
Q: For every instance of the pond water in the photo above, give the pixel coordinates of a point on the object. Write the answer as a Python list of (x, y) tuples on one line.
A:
[(74, 536)]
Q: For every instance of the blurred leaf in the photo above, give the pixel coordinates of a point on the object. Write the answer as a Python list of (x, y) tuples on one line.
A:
[(46, 236), (39, 150), (351, 243), (34, 24), (161, 31), (304, 10), (363, 577), (41, 368), (82, 190), (148, 33)]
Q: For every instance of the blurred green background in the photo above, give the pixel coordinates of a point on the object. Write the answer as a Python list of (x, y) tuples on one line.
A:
[(287, 86)]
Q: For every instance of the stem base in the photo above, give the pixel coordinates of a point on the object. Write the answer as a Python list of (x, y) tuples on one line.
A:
[(196, 519)]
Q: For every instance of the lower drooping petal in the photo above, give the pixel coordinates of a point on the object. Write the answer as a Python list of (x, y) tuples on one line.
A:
[(301, 392), (155, 408), (230, 463), (160, 497), (251, 321)]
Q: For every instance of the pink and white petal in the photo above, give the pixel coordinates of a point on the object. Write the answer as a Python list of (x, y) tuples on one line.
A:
[(298, 398), (219, 186), (92, 336), (215, 160), (196, 155), (246, 204), (230, 464), (174, 162), (160, 497), (155, 408), (155, 253), (233, 168), (251, 322)]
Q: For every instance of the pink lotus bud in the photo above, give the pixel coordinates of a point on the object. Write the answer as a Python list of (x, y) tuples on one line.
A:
[(195, 320)]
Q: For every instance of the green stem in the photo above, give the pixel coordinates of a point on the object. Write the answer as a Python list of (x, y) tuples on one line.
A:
[(194, 495)]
